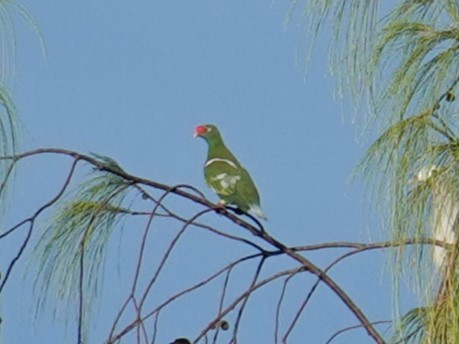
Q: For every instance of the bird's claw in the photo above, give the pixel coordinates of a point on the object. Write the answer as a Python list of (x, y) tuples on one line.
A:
[(219, 207)]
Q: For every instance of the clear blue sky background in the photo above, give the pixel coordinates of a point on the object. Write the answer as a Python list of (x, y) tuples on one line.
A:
[(131, 80)]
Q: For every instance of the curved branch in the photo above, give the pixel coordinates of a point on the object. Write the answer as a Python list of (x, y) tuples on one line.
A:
[(307, 264), (346, 329)]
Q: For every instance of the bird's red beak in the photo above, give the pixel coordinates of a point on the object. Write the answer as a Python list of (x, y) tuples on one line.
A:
[(199, 131)]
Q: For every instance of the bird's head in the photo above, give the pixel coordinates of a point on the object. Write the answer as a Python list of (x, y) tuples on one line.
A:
[(208, 132)]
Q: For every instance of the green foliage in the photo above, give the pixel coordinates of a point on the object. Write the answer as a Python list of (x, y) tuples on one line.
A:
[(8, 112), (8, 138), (436, 323), (406, 66), (8, 37), (412, 327), (414, 62), (353, 24), (415, 73), (74, 242)]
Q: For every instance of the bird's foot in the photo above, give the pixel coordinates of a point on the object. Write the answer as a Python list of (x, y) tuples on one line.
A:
[(220, 206)]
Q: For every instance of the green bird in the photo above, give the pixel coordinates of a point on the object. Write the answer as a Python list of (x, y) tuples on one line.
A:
[(226, 176)]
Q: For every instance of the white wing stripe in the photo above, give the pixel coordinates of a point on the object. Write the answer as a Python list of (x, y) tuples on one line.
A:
[(229, 162)]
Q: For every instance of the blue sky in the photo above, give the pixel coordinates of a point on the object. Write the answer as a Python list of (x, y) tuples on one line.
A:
[(131, 81)]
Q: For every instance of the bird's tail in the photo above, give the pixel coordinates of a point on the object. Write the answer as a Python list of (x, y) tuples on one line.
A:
[(255, 209)]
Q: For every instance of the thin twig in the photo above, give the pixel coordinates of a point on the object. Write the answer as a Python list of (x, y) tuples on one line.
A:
[(346, 329), (246, 299), (31, 221), (279, 303)]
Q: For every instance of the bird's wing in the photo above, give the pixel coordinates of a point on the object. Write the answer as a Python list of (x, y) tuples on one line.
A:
[(222, 175), (247, 191)]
